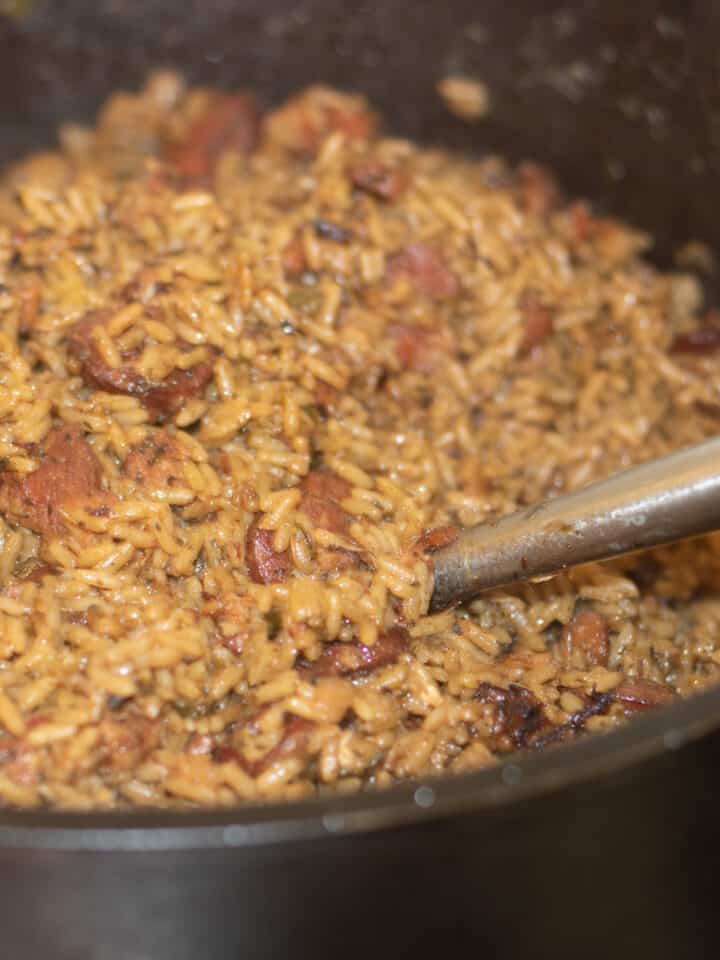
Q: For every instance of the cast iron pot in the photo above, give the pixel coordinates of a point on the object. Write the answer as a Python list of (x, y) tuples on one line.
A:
[(606, 848)]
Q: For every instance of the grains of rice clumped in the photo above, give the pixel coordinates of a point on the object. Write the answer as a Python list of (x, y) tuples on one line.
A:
[(254, 369)]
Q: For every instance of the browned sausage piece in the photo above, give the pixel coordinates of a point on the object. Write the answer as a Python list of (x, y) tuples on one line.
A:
[(36, 572), (293, 258), (156, 463), (539, 322), (340, 659), (538, 192), (426, 269), (69, 472), (125, 742), (18, 761), (518, 715), (325, 396), (264, 564), (93, 369), (322, 492), (703, 340), (638, 694), (162, 399), (587, 633), (231, 121), (377, 179), (594, 705), (437, 538), (416, 348), (336, 560), (304, 121), (294, 741)]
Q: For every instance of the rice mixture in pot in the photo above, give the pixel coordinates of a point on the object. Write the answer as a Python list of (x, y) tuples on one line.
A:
[(254, 370)]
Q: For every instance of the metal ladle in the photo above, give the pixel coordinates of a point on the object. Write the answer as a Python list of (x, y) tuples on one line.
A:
[(657, 503)]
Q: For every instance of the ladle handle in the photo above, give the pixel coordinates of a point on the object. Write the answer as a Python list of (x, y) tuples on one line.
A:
[(659, 502)]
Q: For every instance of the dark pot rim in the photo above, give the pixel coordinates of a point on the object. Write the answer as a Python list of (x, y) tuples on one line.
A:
[(520, 777)]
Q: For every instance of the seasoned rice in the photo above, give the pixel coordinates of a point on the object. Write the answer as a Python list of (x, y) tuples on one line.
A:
[(253, 371)]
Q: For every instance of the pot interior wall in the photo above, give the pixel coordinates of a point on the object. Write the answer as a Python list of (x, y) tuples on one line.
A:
[(620, 99)]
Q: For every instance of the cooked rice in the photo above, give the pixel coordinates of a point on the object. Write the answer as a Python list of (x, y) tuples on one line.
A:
[(465, 97), (249, 381)]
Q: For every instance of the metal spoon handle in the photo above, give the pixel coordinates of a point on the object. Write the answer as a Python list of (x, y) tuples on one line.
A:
[(659, 502)]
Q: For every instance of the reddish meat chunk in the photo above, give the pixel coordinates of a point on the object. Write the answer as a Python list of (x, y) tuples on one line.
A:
[(293, 258), (437, 538), (230, 122), (264, 564), (294, 741), (701, 341), (426, 269), (377, 179), (538, 324), (161, 398), (582, 221), (29, 297), (156, 463), (537, 190), (326, 514), (587, 634), (518, 715), (69, 472), (340, 659), (36, 572), (167, 397), (704, 339), (127, 741), (416, 348), (302, 123), (227, 754), (322, 492), (94, 371), (17, 761), (336, 560), (387, 649), (594, 705), (639, 694), (325, 483), (325, 396), (610, 239), (708, 409), (235, 643)]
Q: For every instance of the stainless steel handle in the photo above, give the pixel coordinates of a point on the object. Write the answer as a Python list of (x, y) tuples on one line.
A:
[(659, 502)]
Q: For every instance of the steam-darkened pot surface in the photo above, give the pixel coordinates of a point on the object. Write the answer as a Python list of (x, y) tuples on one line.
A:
[(606, 849)]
